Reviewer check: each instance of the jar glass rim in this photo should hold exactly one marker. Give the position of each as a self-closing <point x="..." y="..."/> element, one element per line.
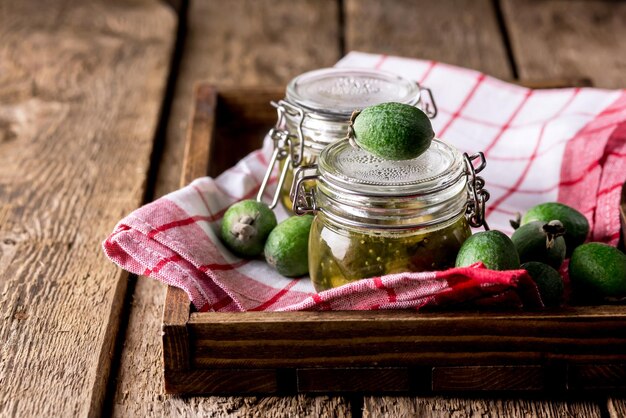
<point x="354" y="170"/>
<point x="333" y="93"/>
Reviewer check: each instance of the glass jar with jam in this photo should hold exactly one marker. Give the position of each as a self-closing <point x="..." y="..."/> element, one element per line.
<point x="316" y="111"/>
<point x="375" y="217"/>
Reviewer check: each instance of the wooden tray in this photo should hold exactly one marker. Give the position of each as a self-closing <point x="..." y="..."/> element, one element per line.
<point x="571" y="349"/>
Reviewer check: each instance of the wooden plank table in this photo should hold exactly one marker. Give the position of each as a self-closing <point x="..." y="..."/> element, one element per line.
<point x="89" y="130"/>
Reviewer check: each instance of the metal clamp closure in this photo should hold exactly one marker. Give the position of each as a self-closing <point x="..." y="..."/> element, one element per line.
<point x="478" y="196"/>
<point x="428" y="102"/>
<point x="283" y="148"/>
<point x="304" y="200"/>
<point x="279" y="133"/>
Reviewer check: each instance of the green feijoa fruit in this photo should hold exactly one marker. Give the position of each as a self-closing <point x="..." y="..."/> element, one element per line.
<point x="493" y="248"/>
<point x="548" y="281"/>
<point x="575" y="223"/>
<point x="597" y="271"/>
<point x="245" y="227"/>
<point x="287" y="247"/>
<point x="540" y="241"/>
<point x="393" y="131"/>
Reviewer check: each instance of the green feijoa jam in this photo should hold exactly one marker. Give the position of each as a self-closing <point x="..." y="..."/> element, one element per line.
<point x="575" y="223"/>
<point x="493" y="248"/>
<point x="245" y="227"/>
<point x="540" y="241"/>
<point x="340" y="255"/>
<point x="393" y="131"/>
<point x="548" y="281"/>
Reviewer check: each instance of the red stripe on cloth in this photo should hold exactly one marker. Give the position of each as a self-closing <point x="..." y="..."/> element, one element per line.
<point x="571" y="182"/>
<point x="391" y="294"/>
<point x="514" y="188"/>
<point x="204" y="201"/>
<point x="471" y="119"/>
<point x="380" y="62"/>
<point x="162" y="263"/>
<point x="262" y="158"/>
<point x="506" y="212"/>
<point x="610" y="189"/>
<point x="617" y="154"/>
<point x="182" y="222"/>
<point x="507" y="124"/>
<point x="324" y="306"/>
<point x="205" y="308"/>
<point x="275" y="298"/>
<point x="510" y="127"/>
<point x="611" y="237"/>
<point x="469" y="96"/>
<point x="590" y="149"/>
<point x="220" y="304"/>
<point x="606" y="216"/>
<point x="431" y="65"/>
<point x="586" y="171"/>
<point x="524" y="158"/>
<point x="222" y="267"/>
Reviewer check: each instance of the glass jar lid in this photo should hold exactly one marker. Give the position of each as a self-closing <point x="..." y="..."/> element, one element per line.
<point x="356" y="188"/>
<point x="357" y="171"/>
<point x="336" y="92"/>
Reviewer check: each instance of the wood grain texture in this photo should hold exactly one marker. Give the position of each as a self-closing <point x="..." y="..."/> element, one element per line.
<point x="488" y="378"/>
<point x="440" y="407"/>
<point x="369" y="380"/>
<point x="221" y="382"/>
<point x="569" y="38"/>
<point x="174" y="330"/>
<point x="199" y="142"/>
<point x="278" y="40"/>
<point x="81" y="86"/>
<point x="139" y="383"/>
<point x="597" y="377"/>
<point x="403" y="338"/>
<point x="246" y="43"/>
<point x="616" y="407"/>
<point x="460" y="32"/>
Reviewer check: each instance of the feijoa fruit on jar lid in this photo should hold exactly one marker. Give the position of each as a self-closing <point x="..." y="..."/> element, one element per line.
<point x="394" y="131"/>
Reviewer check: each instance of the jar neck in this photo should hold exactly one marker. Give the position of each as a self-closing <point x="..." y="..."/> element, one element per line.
<point x="321" y="127"/>
<point x="392" y="212"/>
<point x="318" y="132"/>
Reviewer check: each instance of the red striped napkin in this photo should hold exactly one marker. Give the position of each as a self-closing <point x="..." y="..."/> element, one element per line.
<point x="541" y="145"/>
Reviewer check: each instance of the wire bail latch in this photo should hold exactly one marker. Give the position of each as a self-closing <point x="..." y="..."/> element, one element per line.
<point x="304" y="200"/>
<point x="428" y="102"/>
<point x="284" y="147"/>
<point x="478" y="196"/>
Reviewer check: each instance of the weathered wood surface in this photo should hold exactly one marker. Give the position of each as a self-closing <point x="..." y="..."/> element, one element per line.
<point x="81" y="85"/>
<point x="460" y="32"/>
<point x="139" y="385"/>
<point x="395" y="339"/>
<point x="569" y="38"/>
<point x="617" y="407"/>
<point x="80" y="90"/>
<point x="440" y="407"/>
<point x="247" y="43"/>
